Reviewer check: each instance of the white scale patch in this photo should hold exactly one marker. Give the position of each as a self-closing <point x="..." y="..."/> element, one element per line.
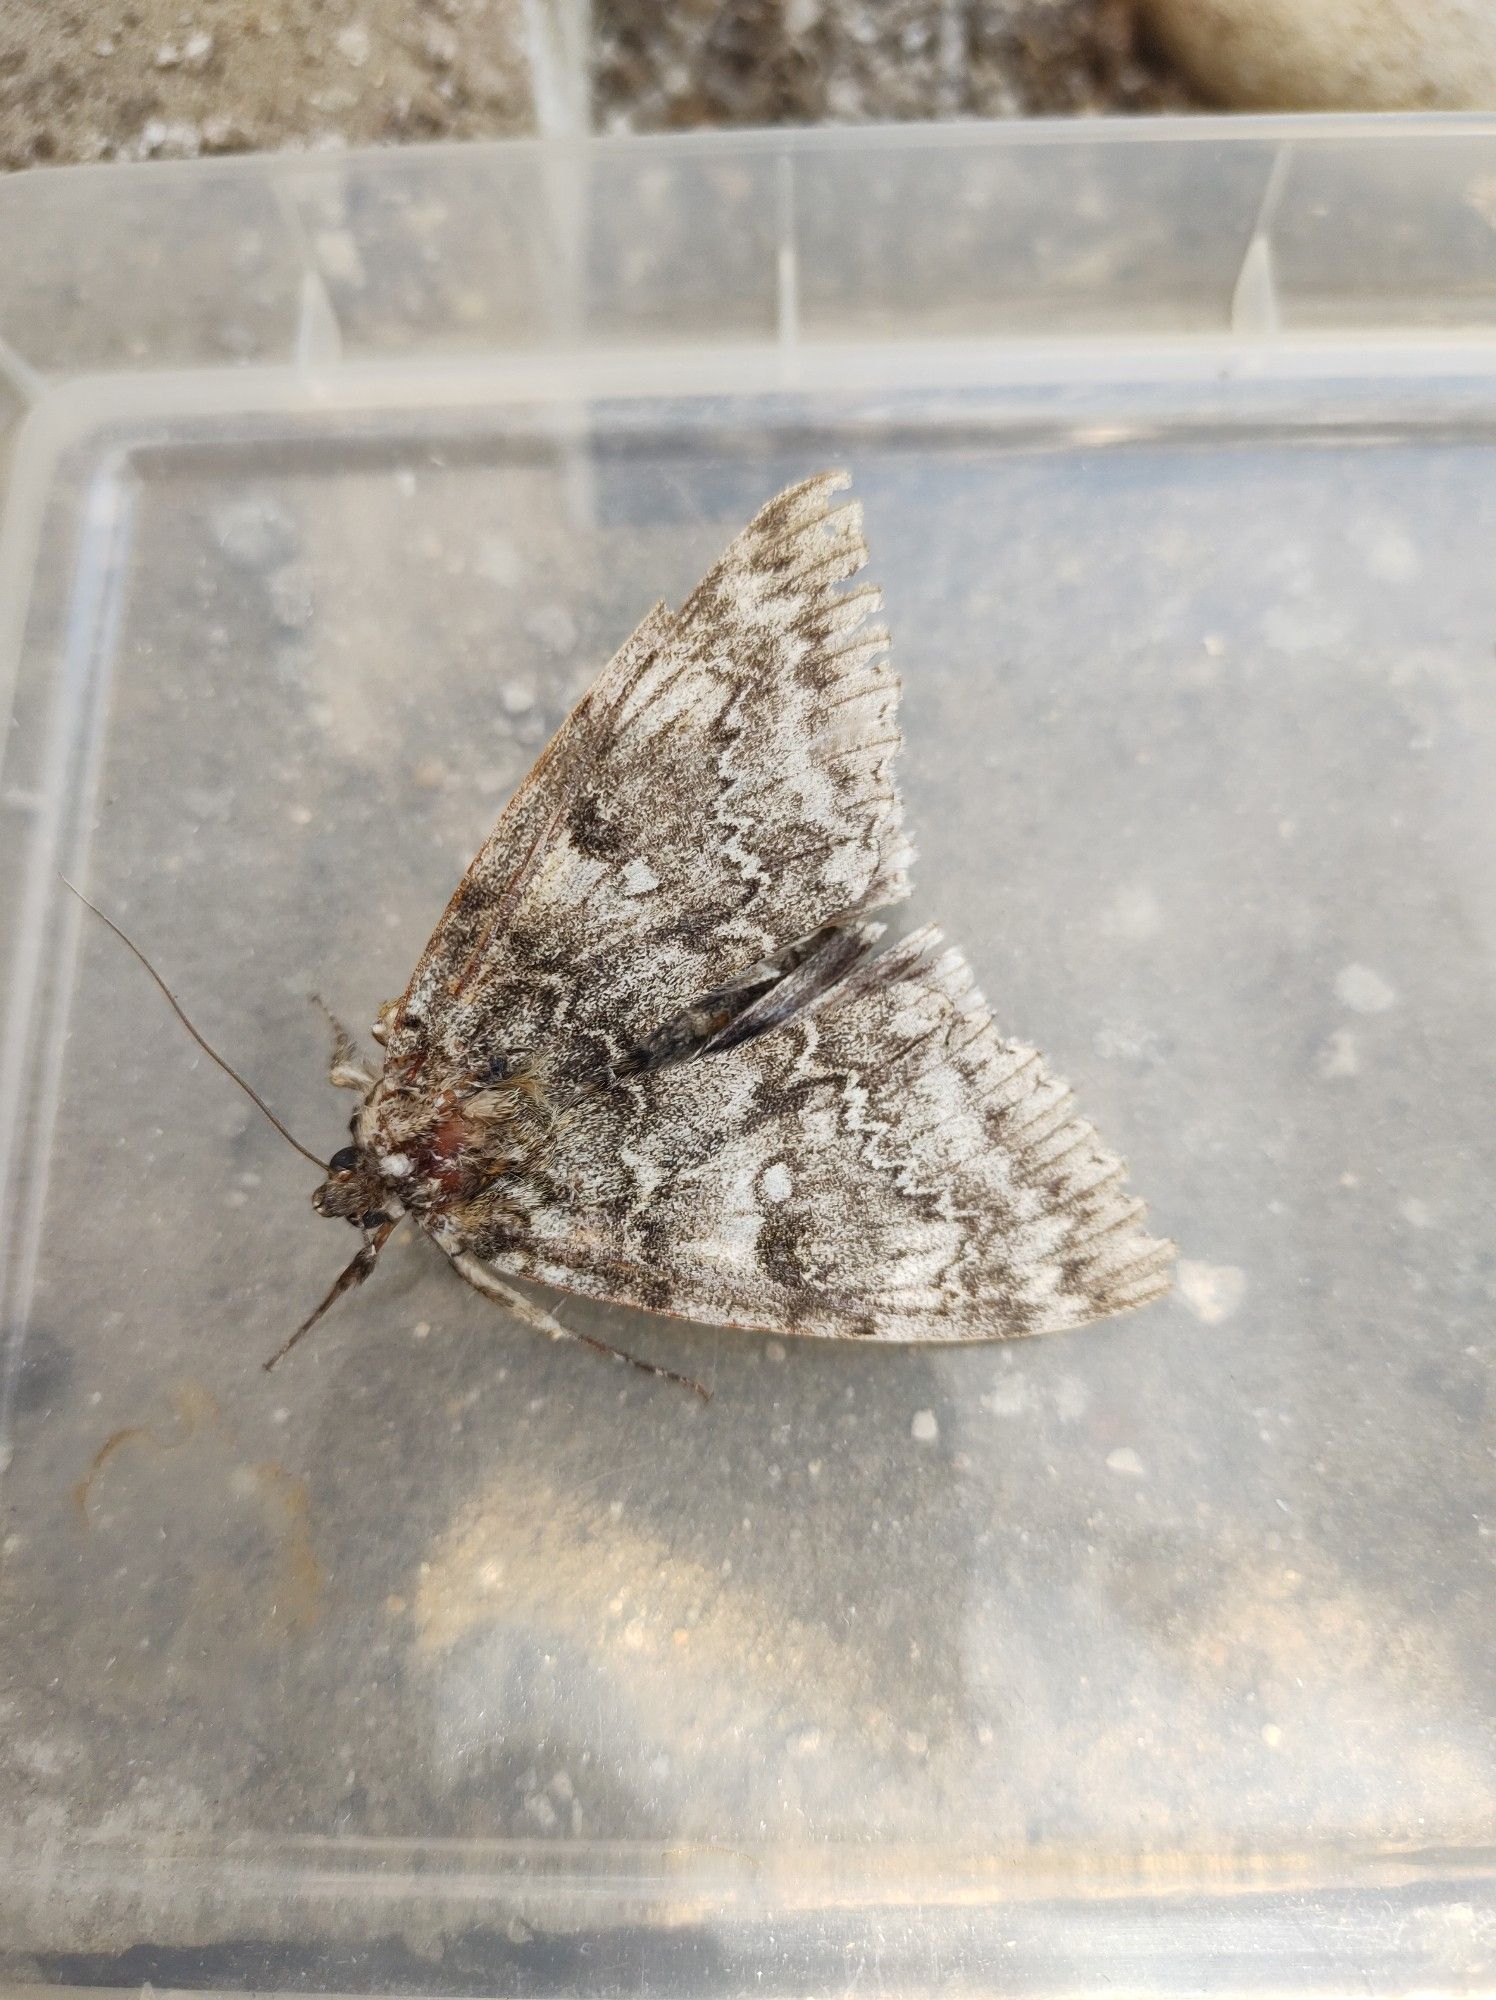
<point x="775" y="1182"/>
<point x="639" y="878"/>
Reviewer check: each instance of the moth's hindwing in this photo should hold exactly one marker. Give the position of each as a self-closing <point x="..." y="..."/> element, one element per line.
<point x="882" y="1165"/>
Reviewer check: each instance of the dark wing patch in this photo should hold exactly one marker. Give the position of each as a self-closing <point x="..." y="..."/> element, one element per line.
<point x="884" y="1164"/>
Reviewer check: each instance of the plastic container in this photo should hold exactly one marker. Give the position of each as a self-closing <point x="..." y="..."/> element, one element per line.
<point x="1154" y="1659"/>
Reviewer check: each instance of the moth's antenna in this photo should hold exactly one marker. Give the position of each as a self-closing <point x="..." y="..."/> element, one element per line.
<point x="171" y="1001"/>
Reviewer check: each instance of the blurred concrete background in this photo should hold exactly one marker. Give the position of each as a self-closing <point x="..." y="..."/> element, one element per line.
<point x="139" y="79"/>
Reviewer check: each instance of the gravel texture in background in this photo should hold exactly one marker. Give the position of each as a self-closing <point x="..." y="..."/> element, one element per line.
<point x="765" y="62"/>
<point x="144" y="79"/>
<point x="162" y="79"/>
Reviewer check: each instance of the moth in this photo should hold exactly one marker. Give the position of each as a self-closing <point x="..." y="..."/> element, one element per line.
<point x="652" y="1053"/>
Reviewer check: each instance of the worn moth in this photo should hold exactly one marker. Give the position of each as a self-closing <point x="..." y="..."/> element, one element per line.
<point x="651" y="1053"/>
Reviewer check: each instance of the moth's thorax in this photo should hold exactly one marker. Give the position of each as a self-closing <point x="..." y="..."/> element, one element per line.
<point x="437" y="1147"/>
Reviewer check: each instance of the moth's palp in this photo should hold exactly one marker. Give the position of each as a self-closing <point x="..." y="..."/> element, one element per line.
<point x="351" y="1275"/>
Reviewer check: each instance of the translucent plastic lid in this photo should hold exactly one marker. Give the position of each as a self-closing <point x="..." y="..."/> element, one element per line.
<point x="1152" y="1658"/>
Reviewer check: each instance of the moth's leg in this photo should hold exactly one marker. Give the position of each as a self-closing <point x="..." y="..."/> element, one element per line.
<point x="348" y="1069"/>
<point x="493" y="1287"/>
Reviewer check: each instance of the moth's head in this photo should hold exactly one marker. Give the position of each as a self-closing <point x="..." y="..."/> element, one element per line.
<point x="353" y="1189"/>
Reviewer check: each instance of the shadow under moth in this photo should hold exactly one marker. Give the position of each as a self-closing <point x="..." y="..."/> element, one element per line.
<point x="652" y="1054"/>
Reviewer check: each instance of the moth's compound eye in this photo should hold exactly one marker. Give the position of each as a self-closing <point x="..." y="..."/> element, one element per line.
<point x="344" y="1160"/>
<point x="375" y="1219"/>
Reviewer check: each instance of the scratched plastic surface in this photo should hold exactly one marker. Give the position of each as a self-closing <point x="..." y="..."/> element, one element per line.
<point x="1153" y="1658"/>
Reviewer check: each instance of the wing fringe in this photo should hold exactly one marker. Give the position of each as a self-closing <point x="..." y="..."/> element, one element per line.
<point x="1102" y="1258"/>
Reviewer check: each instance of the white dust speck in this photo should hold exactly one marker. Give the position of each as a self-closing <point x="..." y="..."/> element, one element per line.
<point x="639" y="878"/>
<point x="1126" y="1461"/>
<point x="1272" y="1735"/>
<point x="421" y="1330"/>
<point x="775" y="1182"/>
<point x="1339" y="1056"/>
<point x="1071" y="1399"/>
<point x="1392" y="555"/>
<point x="352" y="44"/>
<point x="1417" y="1213"/>
<point x="517" y="697"/>
<point x="1213" y="1292"/>
<point x="405" y="482"/>
<point x="1133" y="913"/>
<point x="554" y="627"/>
<point x="924" y="1429"/>
<point x="1214" y="645"/>
<point x="1363" y="991"/>
<point x="1008" y="1398"/>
